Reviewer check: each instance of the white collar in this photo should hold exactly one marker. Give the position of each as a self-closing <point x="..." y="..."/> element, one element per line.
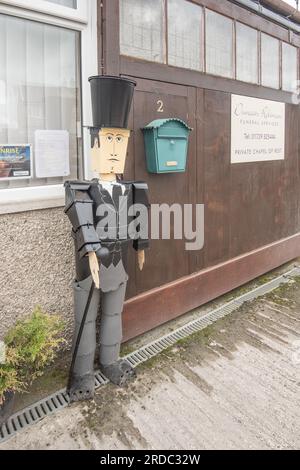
<point x="108" y="185"/>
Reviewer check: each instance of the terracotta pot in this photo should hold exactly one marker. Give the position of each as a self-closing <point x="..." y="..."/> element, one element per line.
<point x="6" y="408"/>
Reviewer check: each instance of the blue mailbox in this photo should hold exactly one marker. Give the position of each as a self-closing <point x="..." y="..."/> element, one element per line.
<point x="166" y="145"/>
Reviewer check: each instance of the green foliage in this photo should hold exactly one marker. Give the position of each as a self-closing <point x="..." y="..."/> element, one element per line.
<point x="9" y="380"/>
<point x="31" y="345"/>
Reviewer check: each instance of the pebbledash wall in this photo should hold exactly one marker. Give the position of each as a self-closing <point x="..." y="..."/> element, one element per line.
<point x="252" y="210"/>
<point x="36" y="265"/>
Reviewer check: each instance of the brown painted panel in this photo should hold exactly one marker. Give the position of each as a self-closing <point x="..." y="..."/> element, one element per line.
<point x="217" y="176"/>
<point x="166" y="260"/>
<point x="264" y="196"/>
<point x="110" y="52"/>
<point x="289" y="192"/>
<point x="247" y="206"/>
<point x="198" y="185"/>
<point x="252" y="206"/>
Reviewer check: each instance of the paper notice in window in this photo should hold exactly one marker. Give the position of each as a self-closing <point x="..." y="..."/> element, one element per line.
<point x="52" y="154"/>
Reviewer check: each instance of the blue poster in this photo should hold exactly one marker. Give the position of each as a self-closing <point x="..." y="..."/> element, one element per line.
<point x="15" y="161"/>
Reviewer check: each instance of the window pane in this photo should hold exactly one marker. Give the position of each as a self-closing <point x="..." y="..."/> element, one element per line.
<point x="184" y="34"/>
<point x="289" y="67"/>
<point x="66" y="3"/>
<point x="219" y="44"/>
<point x="270" y="61"/>
<point x="142" y="32"/>
<point x="39" y="87"/>
<point x="246" y="54"/>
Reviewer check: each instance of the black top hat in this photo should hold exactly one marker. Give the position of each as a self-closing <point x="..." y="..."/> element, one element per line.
<point x="111" y="100"/>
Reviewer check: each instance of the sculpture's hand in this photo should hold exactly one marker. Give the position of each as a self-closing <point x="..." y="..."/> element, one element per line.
<point x="94" y="267"/>
<point x="141" y="259"/>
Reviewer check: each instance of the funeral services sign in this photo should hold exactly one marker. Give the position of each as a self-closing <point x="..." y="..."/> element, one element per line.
<point x="257" y="130"/>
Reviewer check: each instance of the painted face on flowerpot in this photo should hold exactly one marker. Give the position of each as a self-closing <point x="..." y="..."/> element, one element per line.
<point x="110" y="157"/>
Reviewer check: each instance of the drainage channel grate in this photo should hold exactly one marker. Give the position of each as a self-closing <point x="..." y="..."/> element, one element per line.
<point x="60" y="400"/>
<point x="33" y="414"/>
<point x="40" y="410"/>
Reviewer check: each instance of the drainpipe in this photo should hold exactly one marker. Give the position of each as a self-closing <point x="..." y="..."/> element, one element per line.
<point x="271" y="15"/>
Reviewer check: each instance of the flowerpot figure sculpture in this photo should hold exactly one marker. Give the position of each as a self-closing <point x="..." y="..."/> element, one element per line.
<point x="107" y="216"/>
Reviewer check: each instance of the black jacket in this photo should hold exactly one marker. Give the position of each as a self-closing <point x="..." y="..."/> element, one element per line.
<point x="88" y="204"/>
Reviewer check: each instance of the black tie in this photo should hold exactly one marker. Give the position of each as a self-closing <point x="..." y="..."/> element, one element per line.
<point x="116" y="194"/>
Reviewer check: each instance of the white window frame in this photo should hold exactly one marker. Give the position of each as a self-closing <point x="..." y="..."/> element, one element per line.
<point x="43" y="197"/>
<point x="43" y="6"/>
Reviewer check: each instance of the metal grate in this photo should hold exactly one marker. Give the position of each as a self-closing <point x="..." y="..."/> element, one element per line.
<point x="60" y="400"/>
<point x="34" y="413"/>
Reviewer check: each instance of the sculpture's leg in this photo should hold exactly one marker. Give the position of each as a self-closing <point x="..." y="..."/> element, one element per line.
<point x="118" y="371"/>
<point x="82" y="379"/>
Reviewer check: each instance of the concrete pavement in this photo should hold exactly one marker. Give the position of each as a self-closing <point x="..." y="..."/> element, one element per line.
<point x="235" y="385"/>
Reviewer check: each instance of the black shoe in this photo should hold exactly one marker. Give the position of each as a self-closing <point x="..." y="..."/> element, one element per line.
<point x="82" y="388"/>
<point x="118" y="373"/>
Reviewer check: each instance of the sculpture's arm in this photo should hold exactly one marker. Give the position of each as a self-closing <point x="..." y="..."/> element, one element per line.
<point x="79" y="209"/>
<point x="141" y="243"/>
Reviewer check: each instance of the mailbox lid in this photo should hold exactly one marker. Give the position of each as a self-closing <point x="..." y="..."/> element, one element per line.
<point x="169" y="126"/>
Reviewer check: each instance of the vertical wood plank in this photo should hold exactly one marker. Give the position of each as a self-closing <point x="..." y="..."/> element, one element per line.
<point x="217" y="176"/>
<point x="111" y="37"/>
<point x="196" y="258"/>
<point x="167" y="260"/>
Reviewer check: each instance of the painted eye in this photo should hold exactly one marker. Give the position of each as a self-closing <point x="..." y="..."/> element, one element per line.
<point x="119" y="139"/>
<point x="109" y="138"/>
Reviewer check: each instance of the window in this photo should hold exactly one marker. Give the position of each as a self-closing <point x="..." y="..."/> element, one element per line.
<point x="270" y="61"/>
<point x="289" y="67"/>
<point x="219" y="45"/>
<point x="66" y="3"/>
<point x="43" y="86"/>
<point x="246" y="53"/>
<point x="77" y="10"/>
<point x="227" y="48"/>
<point x="185" y="34"/>
<point x="39" y="88"/>
<point x="142" y="29"/>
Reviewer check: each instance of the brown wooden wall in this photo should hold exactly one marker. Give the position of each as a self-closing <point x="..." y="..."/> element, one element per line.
<point x="252" y="210"/>
<point x="247" y="205"/>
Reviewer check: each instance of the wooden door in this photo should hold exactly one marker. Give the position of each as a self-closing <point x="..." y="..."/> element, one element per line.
<point x="167" y="260"/>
